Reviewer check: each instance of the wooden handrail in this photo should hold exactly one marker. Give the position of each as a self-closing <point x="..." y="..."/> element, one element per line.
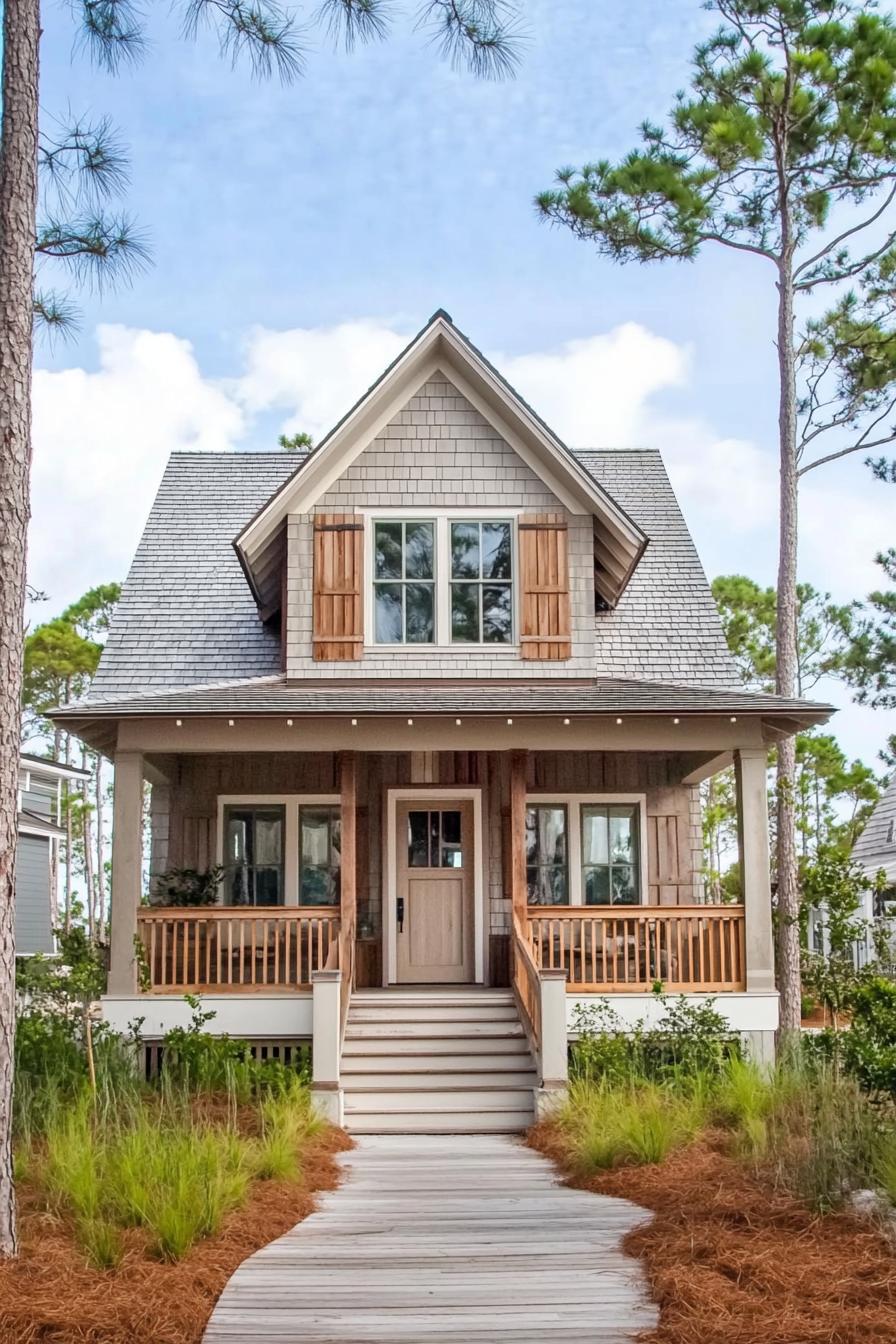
<point x="618" y="949"/>
<point x="235" y="949"/>
<point x="526" y="984"/>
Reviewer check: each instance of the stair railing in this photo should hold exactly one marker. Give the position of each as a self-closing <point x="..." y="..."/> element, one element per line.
<point x="540" y="994"/>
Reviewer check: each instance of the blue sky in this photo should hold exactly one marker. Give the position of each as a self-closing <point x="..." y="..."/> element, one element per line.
<point x="299" y="234"/>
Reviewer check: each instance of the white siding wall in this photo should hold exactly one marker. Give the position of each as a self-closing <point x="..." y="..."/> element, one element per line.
<point x="34" y="932"/>
<point x="438" y="452"/>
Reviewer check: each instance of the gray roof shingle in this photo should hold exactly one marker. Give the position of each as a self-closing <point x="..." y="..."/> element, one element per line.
<point x="876" y="846"/>
<point x="187" y="617"/>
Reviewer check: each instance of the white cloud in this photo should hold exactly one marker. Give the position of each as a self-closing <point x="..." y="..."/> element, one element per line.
<point x="101" y="440"/>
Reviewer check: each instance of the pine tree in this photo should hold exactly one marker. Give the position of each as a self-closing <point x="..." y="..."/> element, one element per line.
<point x="783" y="149"/>
<point x="480" y="34"/>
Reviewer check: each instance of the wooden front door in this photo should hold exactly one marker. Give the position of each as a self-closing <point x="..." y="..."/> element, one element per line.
<point x="434" y="900"/>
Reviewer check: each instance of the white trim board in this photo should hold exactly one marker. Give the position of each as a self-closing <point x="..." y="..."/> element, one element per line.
<point x="742" y="1011"/>
<point x="424" y="793"/>
<point x="242" y="1016"/>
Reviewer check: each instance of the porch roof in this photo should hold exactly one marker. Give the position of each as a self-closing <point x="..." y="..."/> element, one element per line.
<point x="603" y="695"/>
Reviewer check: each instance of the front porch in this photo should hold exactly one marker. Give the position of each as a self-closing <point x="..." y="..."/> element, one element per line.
<point x="441" y="862"/>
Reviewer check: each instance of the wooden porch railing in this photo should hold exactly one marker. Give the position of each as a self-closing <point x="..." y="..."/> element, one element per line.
<point x="526" y="982"/>
<point x="619" y="949"/>
<point x="235" y="948"/>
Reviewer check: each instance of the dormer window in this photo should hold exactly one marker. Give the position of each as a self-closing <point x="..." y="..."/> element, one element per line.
<point x="404" y="582"/>
<point x="443" y="580"/>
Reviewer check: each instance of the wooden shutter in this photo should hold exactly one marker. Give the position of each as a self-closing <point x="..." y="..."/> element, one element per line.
<point x="544" y="579"/>
<point x="338" y="634"/>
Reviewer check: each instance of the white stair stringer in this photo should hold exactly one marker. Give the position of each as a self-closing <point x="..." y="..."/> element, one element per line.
<point x="440" y="1061"/>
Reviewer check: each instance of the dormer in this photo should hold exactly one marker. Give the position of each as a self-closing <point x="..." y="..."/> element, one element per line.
<point x="440" y="527"/>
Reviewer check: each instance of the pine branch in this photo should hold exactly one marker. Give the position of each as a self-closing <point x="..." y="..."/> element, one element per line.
<point x="481" y="35"/>
<point x="85" y="162"/>
<point x="259" y="29"/>
<point x="112" y="31"/>
<point x="98" y="249"/>
<point x="55" y="315"/>
<point x="354" y="21"/>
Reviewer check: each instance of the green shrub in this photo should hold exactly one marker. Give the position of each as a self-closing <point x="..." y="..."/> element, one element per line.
<point x="869" y="1046"/>
<point x="610" y="1126"/>
<point x="197" y="1061"/>
<point x="688" y="1040"/>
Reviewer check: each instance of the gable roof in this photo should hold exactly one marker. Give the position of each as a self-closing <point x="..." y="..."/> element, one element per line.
<point x="440" y="348"/>
<point x="876" y="846"/>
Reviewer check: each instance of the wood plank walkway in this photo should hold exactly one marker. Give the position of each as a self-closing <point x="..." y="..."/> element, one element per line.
<point x="438" y="1240"/>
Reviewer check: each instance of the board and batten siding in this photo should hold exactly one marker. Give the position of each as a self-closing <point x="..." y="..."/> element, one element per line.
<point x="438" y="453"/>
<point x="34" y="923"/>
<point x="184" y="814"/>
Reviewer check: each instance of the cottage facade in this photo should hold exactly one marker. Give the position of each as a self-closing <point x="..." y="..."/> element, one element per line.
<point x="436" y="698"/>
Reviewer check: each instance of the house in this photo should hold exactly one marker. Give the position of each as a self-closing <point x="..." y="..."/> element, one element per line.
<point x="875" y="852"/>
<point x="437" y="697"/>
<point x="39" y="831"/>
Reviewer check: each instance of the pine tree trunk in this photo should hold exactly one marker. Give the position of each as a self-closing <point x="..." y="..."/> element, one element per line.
<point x="786" y="660"/>
<point x="18" y="206"/>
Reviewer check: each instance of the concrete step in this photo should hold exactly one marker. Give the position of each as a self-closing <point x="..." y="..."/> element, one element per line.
<point x="483" y="1122"/>
<point x="429" y="1079"/>
<point x="441" y="1101"/>
<point x="431" y="1030"/>
<point x="432" y="1012"/>
<point x="437" y="1062"/>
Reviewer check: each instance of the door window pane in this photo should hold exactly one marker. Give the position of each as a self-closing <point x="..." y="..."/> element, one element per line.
<point x="547" y="870"/>
<point x="320" y="857"/>
<point x="253" y="855"/>
<point x="610" y="855"/>
<point x="481" y="588"/>
<point x="451" y="854"/>
<point x="435" y="839"/>
<point x="418" y="839"/>
<point x="404" y="582"/>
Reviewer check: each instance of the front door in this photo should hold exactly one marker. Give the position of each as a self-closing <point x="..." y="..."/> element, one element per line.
<point x="434" y="900"/>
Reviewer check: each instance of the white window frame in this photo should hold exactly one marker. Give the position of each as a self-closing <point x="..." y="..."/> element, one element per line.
<point x="443" y="518"/>
<point x="292" y="802"/>
<point x="574" y="802"/>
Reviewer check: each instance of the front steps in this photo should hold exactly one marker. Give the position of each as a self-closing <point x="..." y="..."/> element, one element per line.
<point x="436" y="1061"/>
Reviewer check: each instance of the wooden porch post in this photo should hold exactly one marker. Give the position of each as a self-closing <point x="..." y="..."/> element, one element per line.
<point x="348" y="793"/>
<point x="127" y="867"/>
<point x="518" y="760"/>
<point x="750" y="765"/>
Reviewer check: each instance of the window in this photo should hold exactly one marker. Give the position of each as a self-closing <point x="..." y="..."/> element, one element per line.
<point x="404" y="582"/>
<point x="610" y="854"/>
<point x="582" y="850"/>
<point x="442" y="581"/>
<point x="481" y="587"/>
<point x="319" y="855"/>
<point x="253" y="855"/>
<point x="435" y="839"/>
<point x="547" y="865"/>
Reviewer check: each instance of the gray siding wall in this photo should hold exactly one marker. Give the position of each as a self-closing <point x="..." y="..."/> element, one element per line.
<point x="34" y="932"/>
<point x="438" y="452"/>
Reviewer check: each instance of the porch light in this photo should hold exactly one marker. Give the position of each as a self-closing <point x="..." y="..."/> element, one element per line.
<point x="676" y="720"/>
<point x="566" y="723"/>
<point x="618" y="720"/>
<point x="354" y="723"/>
<point x="178" y="723"/>
<point x="734" y="718"/>
<point x="410" y="723"/>
<point x="458" y="722"/>
<point x="230" y="723"/>
<point x="510" y="721"/>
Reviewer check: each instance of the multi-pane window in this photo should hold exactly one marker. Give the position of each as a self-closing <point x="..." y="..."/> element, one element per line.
<point x="435" y="838"/>
<point x="319" y="855"/>
<point x="404" y="582"/>
<point x="547" y="854"/>
<point x="610" y="854"/>
<point x="481" y="582"/>
<point x="253" y="855"/>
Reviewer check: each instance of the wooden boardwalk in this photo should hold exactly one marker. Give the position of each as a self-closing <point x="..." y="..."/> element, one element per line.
<point x="438" y="1240"/>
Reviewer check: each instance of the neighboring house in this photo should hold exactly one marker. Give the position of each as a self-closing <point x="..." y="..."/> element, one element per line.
<point x="39" y="829"/>
<point x="875" y="851"/>
<point x="438" y="697"/>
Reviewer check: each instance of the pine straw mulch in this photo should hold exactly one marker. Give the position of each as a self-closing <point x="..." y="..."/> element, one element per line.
<point x="730" y="1261"/>
<point x="50" y="1296"/>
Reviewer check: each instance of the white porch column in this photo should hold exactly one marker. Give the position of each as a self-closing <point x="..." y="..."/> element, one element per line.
<point x="326" y="1044"/>
<point x="750" y="765"/>
<point x="127" y="870"/>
